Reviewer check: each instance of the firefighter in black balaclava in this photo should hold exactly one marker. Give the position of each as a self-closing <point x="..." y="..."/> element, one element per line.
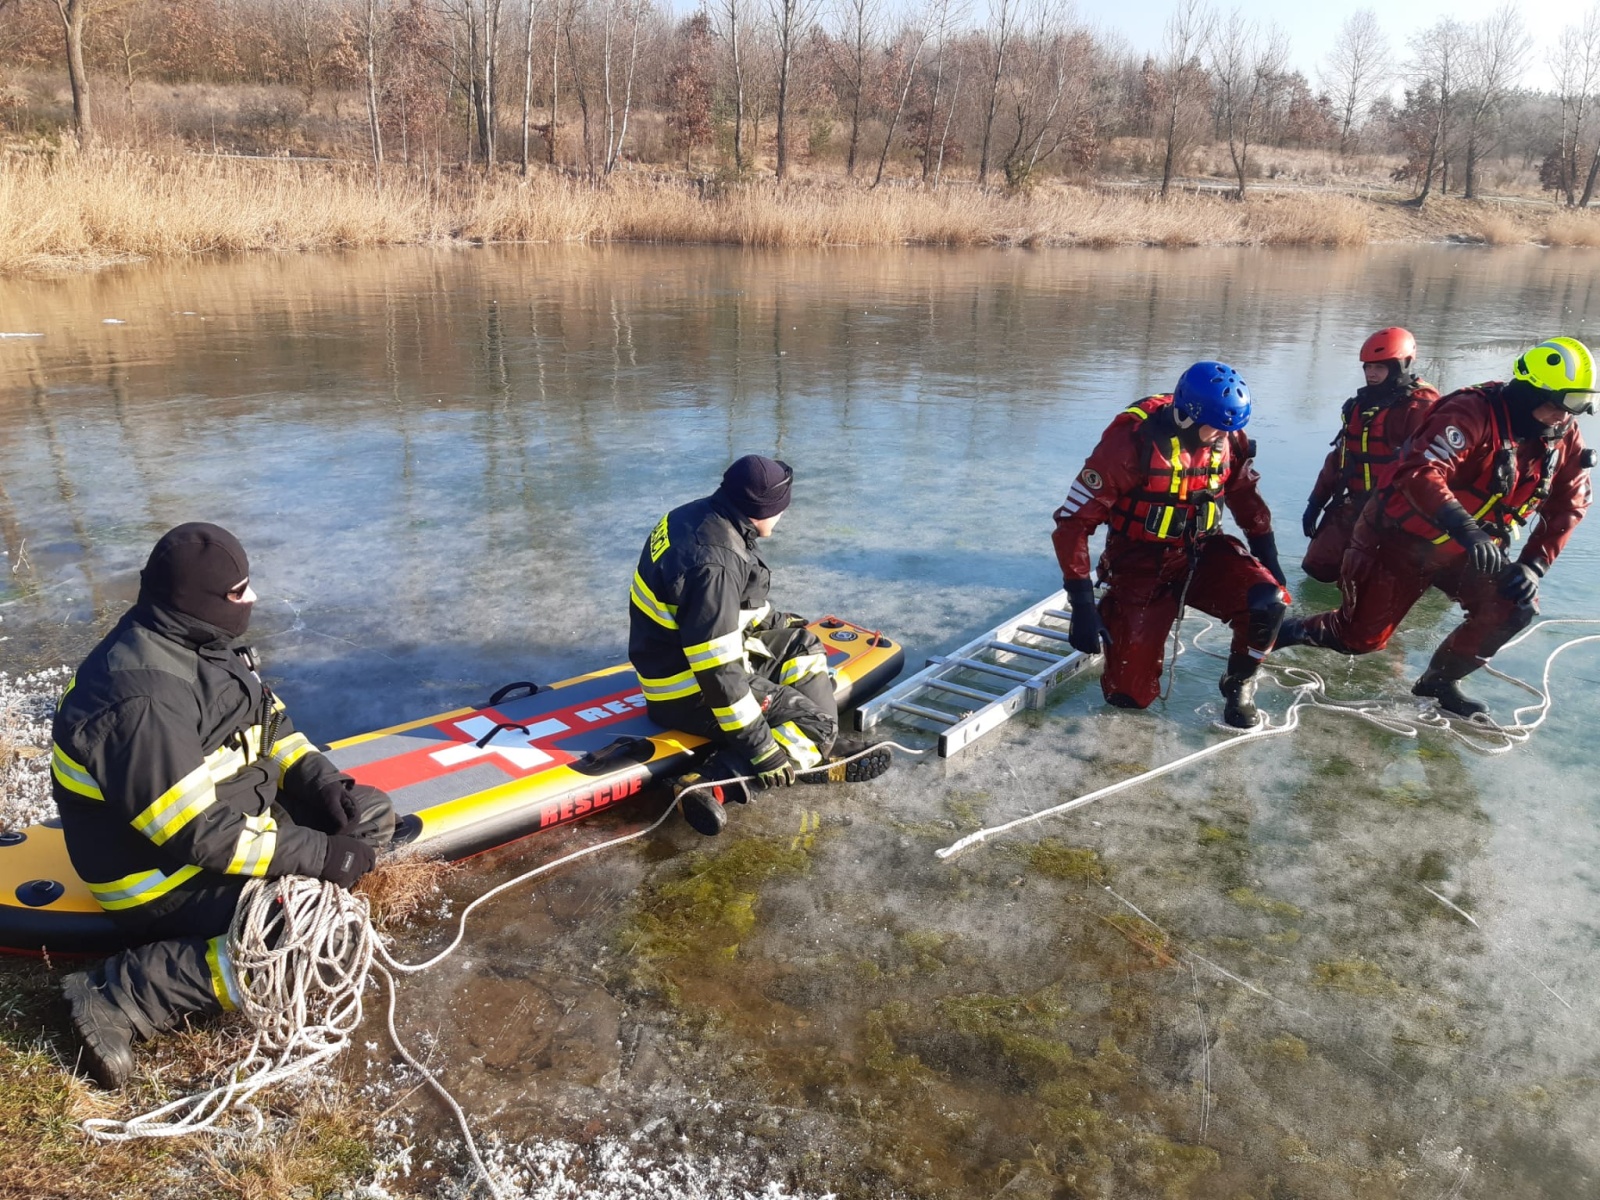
<point x="179" y="776"/>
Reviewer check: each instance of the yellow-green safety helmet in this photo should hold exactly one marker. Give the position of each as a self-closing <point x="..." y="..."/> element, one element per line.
<point x="1563" y="366"/>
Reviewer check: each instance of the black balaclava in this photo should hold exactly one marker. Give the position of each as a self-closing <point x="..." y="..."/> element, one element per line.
<point x="1521" y="399"/>
<point x="757" y="487"/>
<point x="192" y="569"/>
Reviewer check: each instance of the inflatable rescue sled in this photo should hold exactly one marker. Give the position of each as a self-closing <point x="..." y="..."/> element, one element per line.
<point x="534" y="757"/>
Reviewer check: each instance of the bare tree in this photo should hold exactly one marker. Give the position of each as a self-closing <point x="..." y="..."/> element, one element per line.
<point x="942" y="14"/>
<point x="527" y="88"/>
<point x="1497" y="50"/>
<point x="1436" y="65"/>
<point x="1246" y="69"/>
<point x="1002" y="26"/>
<point x="1356" y="71"/>
<point x="375" y="130"/>
<point x="919" y="36"/>
<point x="622" y="20"/>
<point x="1577" y="73"/>
<point x="853" y="48"/>
<point x="1182" y="79"/>
<point x="74" y="20"/>
<point x="728" y="20"/>
<point x="791" y="21"/>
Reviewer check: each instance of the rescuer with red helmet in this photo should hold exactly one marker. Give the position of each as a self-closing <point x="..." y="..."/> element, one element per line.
<point x="1488" y="458"/>
<point x="1159" y="478"/>
<point x="1377" y="425"/>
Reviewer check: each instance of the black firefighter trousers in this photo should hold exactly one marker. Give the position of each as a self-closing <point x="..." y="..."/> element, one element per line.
<point x="789" y="679"/>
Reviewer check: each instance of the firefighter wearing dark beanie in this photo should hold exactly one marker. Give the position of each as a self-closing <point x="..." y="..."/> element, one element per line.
<point x="179" y="776"/>
<point x="715" y="659"/>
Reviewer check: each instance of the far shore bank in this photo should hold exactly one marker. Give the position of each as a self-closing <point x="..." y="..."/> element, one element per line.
<point x="74" y="213"/>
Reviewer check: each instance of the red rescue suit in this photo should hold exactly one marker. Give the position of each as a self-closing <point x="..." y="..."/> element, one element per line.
<point x="1466" y="451"/>
<point x="1162" y="499"/>
<point x="1379" y="427"/>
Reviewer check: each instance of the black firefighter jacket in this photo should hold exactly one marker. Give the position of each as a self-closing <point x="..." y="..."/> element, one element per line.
<point x="700" y="587"/>
<point x="168" y="756"/>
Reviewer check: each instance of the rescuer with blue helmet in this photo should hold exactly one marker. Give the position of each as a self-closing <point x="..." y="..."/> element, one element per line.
<point x="1159" y="478"/>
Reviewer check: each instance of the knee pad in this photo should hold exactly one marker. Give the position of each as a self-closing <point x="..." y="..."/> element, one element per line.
<point x="1267" y="611"/>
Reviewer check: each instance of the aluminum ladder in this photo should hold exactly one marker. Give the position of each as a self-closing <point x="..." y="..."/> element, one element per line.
<point x="976" y="689"/>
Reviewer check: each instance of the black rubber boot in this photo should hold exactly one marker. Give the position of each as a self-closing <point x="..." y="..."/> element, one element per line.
<point x="1298" y="631"/>
<point x="702" y="807"/>
<point x="105" y="1034"/>
<point x="1441" y="680"/>
<point x="1238" y="688"/>
<point x="873" y="763"/>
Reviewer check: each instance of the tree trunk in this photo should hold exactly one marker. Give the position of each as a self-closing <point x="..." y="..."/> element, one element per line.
<point x="491" y="64"/>
<point x="74" y="13"/>
<point x="911" y="75"/>
<point x="738" y="89"/>
<point x="555" y="88"/>
<point x="988" y="120"/>
<point x="373" y="127"/>
<point x="527" y="89"/>
<point x="627" y="91"/>
<point x="944" y="138"/>
<point x="1588" y="186"/>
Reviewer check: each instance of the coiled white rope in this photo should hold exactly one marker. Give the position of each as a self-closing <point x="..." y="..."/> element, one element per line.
<point x="302" y="951"/>
<point x="1309" y="691"/>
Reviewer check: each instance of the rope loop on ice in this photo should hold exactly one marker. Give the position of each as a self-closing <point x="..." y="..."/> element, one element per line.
<point x="1310" y="692"/>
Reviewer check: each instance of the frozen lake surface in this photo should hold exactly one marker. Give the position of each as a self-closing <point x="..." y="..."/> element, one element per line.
<point x="1232" y="982"/>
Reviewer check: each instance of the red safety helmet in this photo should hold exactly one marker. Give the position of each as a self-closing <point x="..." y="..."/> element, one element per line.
<point x="1391" y="343"/>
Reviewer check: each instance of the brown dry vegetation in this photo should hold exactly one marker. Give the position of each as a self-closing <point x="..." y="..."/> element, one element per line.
<point x="71" y="212"/>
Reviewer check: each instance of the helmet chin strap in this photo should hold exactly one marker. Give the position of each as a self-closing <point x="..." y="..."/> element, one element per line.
<point x="1181" y="421"/>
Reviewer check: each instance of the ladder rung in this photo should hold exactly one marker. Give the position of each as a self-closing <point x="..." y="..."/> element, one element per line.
<point x="1029" y="651"/>
<point x="933" y="714"/>
<point x="977" y="664"/>
<point x="1059" y="635"/>
<point x="1057" y="613"/>
<point x="958" y="689"/>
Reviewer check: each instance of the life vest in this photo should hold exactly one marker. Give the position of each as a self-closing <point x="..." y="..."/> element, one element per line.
<point x="1181" y="491"/>
<point x="1503" y="496"/>
<point x="1367" y="453"/>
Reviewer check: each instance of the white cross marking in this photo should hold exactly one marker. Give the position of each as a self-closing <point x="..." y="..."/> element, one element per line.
<point x="509" y="743"/>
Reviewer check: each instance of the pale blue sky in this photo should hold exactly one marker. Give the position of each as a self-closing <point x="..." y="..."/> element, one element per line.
<point x="1312" y="27"/>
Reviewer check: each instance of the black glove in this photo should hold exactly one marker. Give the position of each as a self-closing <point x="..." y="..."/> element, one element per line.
<point x="788" y="620"/>
<point x="1483" y="552"/>
<point x="1264" y="548"/>
<point x="1519" y="582"/>
<point x="347" y="860"/>
<point x="1089" y="632"/>
<point x="1309" y="519"/>
<point x="333" y="808"/>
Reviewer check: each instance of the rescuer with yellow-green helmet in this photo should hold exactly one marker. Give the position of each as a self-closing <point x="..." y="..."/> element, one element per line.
<point x="1489" y="458"/>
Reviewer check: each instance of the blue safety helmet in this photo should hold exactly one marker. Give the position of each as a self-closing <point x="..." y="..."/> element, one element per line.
<point x="1211" y="393"/>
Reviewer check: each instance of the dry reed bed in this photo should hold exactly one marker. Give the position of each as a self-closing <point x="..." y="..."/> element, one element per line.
<point x="92" y="210"/>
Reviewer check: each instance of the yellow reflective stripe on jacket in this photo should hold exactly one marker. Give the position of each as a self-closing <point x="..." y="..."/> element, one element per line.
<point x="801" y="748"/>
<point x="664" y="615"/>
<point x="744" y="712"/>
<point x="1177" y="487"/>
<point x="803" y="666"/>
<point x="290" y="751"/>
<point x="1136" y="411"/>
<point x="673" y="687"/>
<point x="1366" y="466"/>
<point x="1477" y="516"/>
<point x="257" y="841"/>
<point x="178" y="805"/>
<point x="703" y="656"/>
<point x="224" y="982"/>
<point x="72" y="776"/>
<point x="139" y="888"/>
<point x="753" y="616"/>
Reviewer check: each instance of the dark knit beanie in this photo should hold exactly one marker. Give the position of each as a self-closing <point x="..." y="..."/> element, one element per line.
<point x="758" y="487"/>
<point x="192" y="569"/>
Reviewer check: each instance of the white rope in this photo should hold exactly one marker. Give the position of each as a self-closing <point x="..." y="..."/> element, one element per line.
<point x="302" y="950"/>
<point x="1309" y="690"/>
